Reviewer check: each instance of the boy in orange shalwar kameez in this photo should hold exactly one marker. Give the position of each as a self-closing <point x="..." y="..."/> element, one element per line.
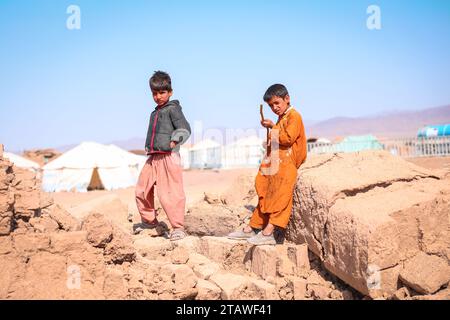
<point x="276" y="177"/>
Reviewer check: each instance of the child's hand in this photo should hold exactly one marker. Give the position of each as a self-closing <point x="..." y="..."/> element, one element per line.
<point x="173" y="144"/>
<point x="267" y="123"/>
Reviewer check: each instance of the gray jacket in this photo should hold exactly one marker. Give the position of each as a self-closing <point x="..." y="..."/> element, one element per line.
<point x="167" y="123"/>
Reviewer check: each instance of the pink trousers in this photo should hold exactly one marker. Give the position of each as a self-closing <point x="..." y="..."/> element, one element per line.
<point x="164" y="172"/>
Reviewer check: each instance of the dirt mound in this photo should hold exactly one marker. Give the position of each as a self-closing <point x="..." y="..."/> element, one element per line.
<point x="366" y="215"/>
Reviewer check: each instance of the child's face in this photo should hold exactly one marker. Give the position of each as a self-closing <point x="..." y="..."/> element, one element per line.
<point x="279" y="105"/>
<point x="161" y="97"/>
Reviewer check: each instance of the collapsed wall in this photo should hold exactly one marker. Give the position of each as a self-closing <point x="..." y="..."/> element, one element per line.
<point x="376" y="221"/>
<point x="48" y="253"/>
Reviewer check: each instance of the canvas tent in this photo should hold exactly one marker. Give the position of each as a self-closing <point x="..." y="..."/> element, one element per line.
<point x="245" y="152"/>
<point x="184" y="155"/>
<point x="206" y="154"/>
<point x="91" y="166"/>
<point x="22" y="162"/>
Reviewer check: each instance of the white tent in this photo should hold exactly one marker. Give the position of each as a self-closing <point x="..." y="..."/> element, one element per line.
<point x="90" y="166"/>
<point x="184" y="155"/>
<point x="206" y="154"/>
<point x="245" y="152"/>
<point x="22" y="162"/>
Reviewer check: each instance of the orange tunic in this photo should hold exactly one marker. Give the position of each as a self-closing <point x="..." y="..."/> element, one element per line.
<point x="277" y="176"/>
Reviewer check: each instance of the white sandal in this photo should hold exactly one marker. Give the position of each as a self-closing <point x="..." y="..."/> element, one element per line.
<point x="177" y="234"/>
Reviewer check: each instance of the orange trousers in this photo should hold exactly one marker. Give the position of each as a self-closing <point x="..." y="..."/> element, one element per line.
<point x="165" y="172"/>
<point x="275" y="195"/>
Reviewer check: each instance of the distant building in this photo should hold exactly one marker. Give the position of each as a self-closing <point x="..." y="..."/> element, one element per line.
<point x="243" y="153"/>
<point x="434" y="131"/>
<point x="206" y="154"/>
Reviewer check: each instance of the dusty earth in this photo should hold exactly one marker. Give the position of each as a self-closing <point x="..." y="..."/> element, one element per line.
<point x="81" y="246"/>
<point x="440" y="163"/>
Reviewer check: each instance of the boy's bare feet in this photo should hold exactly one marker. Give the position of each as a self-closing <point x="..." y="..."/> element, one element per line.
<point x="268" y="230"/>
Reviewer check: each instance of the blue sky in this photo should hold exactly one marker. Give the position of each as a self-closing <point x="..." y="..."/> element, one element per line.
<point x="60" y="86"/>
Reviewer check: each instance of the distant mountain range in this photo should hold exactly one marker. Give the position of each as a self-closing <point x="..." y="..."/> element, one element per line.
<point x="391" y="125"/>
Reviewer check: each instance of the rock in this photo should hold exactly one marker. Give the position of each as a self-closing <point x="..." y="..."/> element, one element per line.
<point x="44" y="224"/>
<point x="319" y="292"/>
<point x="41" y="260"/>
<point x="337" y="212"/>
<point x="207" y="290"/>
<point x="315" y="278"/>
<point x="232" y="255"/>
<point x="205" y="271"/>
<point x="443" y="294"/>
<point x="115" y="285"/>
<point x="6" y="207"/>
<point x="62" y="242"/>
<point x="190" y="243"/>
<point x="401" y="294"/>
<point x="22" y="227"/>
<point x="299" y="286"/>
<point x="211" y="198"/>
<point x="284" y="287"/>
<point x="45" y="200"/>
<point x="63" y="218"/>
<point x="6" y="223"/>
<point x="210" y="220"/>
<point x="26" y="244"/>
<point x="179" y="255"/>
<point x="425" y="273"/>
<point x="262" y="290"/>
<point x="336" y="295"/>
<point x="154" y="248"/>
<point x="347" y="295"/>
<point x="99" y="230"/>
<point x="6" y="245"/>
<point x="232" y="285"/>
<point x="280" y="260"/>
<point x="12" y="270"/>
<point x="85" y="273"/>
<point x="38" y="283"/>
<point x="237" y="287"/>
<point x="264" y="261"/>
<point x="27" y="196"/>
<point x="177" y="282"/>
<point x="196" y="259"/>
<point x="120" y="249"/>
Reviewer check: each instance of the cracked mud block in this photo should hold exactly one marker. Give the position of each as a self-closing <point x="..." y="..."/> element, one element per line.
<point x="365" y="214"/>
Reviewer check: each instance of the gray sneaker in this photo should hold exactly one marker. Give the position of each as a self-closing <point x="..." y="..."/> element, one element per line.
<point x="241" y="235"/>
<point x="260" y="239"/>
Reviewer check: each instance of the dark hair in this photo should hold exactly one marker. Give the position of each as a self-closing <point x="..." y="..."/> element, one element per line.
<point x="276" y="90"/>
<point x="160" y="80"/>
